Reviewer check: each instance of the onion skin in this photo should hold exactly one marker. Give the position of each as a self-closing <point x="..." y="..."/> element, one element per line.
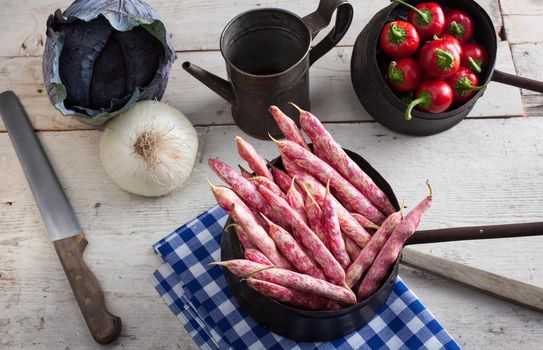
<point x="170" y="154"/>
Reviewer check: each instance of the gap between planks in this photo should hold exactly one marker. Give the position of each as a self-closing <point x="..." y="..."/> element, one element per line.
<point x="532" y="114"/>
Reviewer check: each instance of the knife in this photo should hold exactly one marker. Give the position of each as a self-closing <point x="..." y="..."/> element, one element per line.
<point x="59" y="218"/>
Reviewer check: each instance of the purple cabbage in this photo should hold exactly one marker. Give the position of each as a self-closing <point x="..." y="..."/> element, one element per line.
<point x="102" y="56"/>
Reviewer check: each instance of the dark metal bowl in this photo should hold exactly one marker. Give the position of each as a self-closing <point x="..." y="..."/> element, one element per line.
<point x="303" y="325"/>
<point x="382" y="103"/>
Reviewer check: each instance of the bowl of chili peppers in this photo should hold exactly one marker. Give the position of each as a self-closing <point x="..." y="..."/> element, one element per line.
<point x="419" y="67"/>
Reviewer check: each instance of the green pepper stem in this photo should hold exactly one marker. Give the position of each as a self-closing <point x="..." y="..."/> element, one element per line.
<point x="395" y="74"/>
<point x="423" y="15"/>
<point x="468" y="86"/>
<point x="445" y="60"/>
<point x="474" y="65"/>
<point x="396" y="35"/>
<point x="456" y="29"/>
<point x="464" y="86"/>
<point x="416" y="102"/>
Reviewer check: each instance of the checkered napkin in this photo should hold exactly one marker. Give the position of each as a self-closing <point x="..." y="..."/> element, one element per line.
<point x="198" y="295"/>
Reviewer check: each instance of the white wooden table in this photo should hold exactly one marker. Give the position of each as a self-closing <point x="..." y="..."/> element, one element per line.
<point x="486" y="170"/>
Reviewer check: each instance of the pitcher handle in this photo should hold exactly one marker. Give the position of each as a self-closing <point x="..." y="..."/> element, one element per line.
<point x="321" y="18"/>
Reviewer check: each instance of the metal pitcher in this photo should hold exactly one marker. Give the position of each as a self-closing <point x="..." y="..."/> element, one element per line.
<point x="268" y="54"/>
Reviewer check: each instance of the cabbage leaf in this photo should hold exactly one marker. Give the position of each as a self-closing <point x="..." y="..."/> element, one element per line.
<point x="102" y="56"/>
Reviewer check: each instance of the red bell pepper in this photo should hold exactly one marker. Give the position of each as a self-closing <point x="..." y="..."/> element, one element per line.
<point x="404" y="75"/>
<point x="474" y="57"/>
<point x="464" y="84"/>
<point x="427" y="17"/>
<point x="440" y="58"/>
<point x="455" y="42"/>
<point x="399" y="39"/>
<point x="433" y="96"/>
<point x="460" y="25"/>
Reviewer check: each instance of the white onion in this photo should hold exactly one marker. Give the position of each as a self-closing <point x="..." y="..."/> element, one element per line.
<point x="150" y="149"/>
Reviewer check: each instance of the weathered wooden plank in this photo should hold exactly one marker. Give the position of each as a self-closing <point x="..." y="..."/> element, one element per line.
<point x="499" y="183"/>
<point x="23" y="75"/>
<point x="521" y="7"/>
<point x="508" y="289"/>
<point x="203" y="107"/>
<point x="528" y="62"/>
<point x="194" y="25"/>
<point x="533" y="105"/>
<point x="478" y="320"/>
<point x="523" y="29"/>
<point x="499" y="99"/>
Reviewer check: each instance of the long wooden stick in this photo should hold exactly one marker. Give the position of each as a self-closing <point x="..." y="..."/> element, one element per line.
<point x="477" y="232"/>
<point x="508" y="289"/>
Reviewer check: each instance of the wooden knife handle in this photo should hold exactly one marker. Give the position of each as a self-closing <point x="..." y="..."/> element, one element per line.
<point x="103" y="326"/>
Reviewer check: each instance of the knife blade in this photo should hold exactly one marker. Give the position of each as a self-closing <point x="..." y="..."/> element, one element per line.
<point x="60" y="220"/>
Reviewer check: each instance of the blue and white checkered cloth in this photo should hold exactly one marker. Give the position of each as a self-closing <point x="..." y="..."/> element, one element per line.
<point x="198" y="295"/>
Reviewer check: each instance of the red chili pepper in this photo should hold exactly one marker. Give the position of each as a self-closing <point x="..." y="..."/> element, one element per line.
<point x="440" y="58"/>
<point x="474" y="57"/>
<point x="404" y="75"/>
<point x="460" y="25"/>
<point x="464" y="84"/>
<point x="455" y="42"/>
<point x="433" y="96"/>
<point x="427" y="17"/>
<point x="399" y="39"/>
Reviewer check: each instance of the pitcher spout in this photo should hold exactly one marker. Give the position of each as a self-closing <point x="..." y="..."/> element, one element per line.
<point x="221" y="87"/>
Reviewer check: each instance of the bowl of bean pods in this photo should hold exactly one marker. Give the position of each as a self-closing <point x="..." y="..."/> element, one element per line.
<point x="314" y="239"/>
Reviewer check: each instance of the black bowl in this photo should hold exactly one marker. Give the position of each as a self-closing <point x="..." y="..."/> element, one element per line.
<point x="303" y="325"/>
<point x="382" y="103"/>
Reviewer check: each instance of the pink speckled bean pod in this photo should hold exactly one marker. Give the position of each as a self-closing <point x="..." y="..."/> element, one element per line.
<point x="270" y="185"/>
<point x="243" y="238"/>
<point x="293" y="251"/>
<point x="351" y="247"/>
<point x="288" y="296"/>
<point x="244" y="172"/>
<point x="340" y="161"/>
<point x="296" y="201"/>
<point x="241" y="214"/>
<point x="364" y="222"/>
<point x="314" y="215"/>
<point x="256" y="256"/>
<point x="290" y="279"/>
<point x="344" y="191"/>
<point x="282" y="179"/>
<point x="251" y="156"/>
<point x="288" y="127"/>
<point x="349" y="226"/>
<point x="370" y="251"/>
<point x="331" y="268"/>
<point x="246" y="190"/>
<point x="330" y="225"/>
<point x="391" y="249"/>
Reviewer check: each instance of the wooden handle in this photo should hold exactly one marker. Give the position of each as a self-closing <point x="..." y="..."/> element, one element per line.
<point x="477" y="232"/>
<point x="103" y="326"/>
<point x="501" y="287"/>
<point x="515" y="80"/>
